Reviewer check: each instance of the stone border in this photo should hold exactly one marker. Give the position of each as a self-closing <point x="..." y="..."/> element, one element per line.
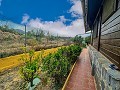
<point x="105" y="77"/>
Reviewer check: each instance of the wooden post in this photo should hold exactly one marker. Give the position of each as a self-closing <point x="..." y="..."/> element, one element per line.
<point x="25" y="36"/>
<point x="100" y="22"/>
<point x="99" y="32"/>
<point x="57" y="39"/>
<point x="92" y="36"/>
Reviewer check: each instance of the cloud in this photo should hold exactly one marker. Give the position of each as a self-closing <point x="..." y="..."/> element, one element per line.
<point x="76" y="9"/>
<point x="58" y="26"/>
<point x="25" y="18"/>
<point x="0" y="2"/>
<point x="63" y="19"/>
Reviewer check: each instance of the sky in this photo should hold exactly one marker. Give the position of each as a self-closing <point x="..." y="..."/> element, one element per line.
<point x="62" y="17"/>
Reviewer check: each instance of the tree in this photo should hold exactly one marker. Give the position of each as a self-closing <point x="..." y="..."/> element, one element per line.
<point x="39" y="35"/>
<point x="87" y="40"/>
<point x="52" y="37"/>
<point x="78" y="40"/>
<point x="29" y="34"/>
<point x="48" y="36"/>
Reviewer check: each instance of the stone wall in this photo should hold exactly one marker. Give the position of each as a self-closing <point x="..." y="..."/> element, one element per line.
<point x="105" y="77"/>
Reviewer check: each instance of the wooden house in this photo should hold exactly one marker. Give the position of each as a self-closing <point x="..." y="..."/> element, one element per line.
<point x="102" y="17"/>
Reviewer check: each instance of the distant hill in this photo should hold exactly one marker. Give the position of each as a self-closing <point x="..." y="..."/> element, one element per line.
<point x="19" y="31"/>
<point x="6" y="36"/>
<point x="11" y="30"/>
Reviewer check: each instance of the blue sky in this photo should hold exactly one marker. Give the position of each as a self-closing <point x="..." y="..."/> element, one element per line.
<point x="63" y="17"/>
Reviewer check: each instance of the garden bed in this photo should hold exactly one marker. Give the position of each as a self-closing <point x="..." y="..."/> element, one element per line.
<point x="11" y="80"/>
<point x="52" y="70"/>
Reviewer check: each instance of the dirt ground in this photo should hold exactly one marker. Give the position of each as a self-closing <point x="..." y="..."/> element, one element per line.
<point x="11" y="80"/>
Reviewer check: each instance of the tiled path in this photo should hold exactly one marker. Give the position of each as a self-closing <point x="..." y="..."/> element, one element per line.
<point x="81" y="78"/>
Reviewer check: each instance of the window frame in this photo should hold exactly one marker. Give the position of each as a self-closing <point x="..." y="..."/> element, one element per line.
<point x="114" y="10"/>
<point x="117" y="4"/>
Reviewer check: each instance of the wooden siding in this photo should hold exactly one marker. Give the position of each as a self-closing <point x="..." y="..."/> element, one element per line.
<point x="110" y="38"/>
<point x="95" y="35"/>
<point x="95" y="43"/>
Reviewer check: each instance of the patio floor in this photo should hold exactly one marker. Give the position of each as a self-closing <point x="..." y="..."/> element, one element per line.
<point x="81" y="78"/>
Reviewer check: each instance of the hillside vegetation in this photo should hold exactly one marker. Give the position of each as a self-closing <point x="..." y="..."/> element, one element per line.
<point x="12" y="42"/>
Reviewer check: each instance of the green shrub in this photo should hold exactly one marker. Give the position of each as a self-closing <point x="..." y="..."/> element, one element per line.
<point x="3" y="54"/>
<point x="88" y="39"/>
<point x="73" y="52"/>
<point x="78" y="40"/>
<point x="57" y="65"/>
<point x="30" y="68"/>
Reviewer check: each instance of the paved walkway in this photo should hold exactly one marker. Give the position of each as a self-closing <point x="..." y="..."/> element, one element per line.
<point x="81" y="78"/>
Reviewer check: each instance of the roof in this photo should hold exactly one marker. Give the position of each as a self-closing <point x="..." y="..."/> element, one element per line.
<point x="90" y="10"/>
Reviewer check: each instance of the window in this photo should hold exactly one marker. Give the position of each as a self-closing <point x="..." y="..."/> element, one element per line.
<point x="95" y="30"/>
<point x="118" y="4"/>
<point x="97" y="27"/>
<point x="109" y="7"/>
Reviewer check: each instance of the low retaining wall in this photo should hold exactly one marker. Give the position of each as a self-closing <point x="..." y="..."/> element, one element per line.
<point x="105" y="77"/>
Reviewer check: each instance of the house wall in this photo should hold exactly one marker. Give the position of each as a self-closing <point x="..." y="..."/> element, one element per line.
<point x="95" y="35"/>
<point x="109" y="43"/>
<point x="110" y="38"/>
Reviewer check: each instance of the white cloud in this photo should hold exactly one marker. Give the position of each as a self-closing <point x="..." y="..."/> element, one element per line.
<point x="25" y="18"/>
<point x="59" y="27"/>
<point x="76" y="9"/>
<point x="63" y="19"/>
<point x="0" y="2"/>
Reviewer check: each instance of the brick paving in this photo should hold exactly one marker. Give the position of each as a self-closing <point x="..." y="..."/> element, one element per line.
<point x="81" y="78"/>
